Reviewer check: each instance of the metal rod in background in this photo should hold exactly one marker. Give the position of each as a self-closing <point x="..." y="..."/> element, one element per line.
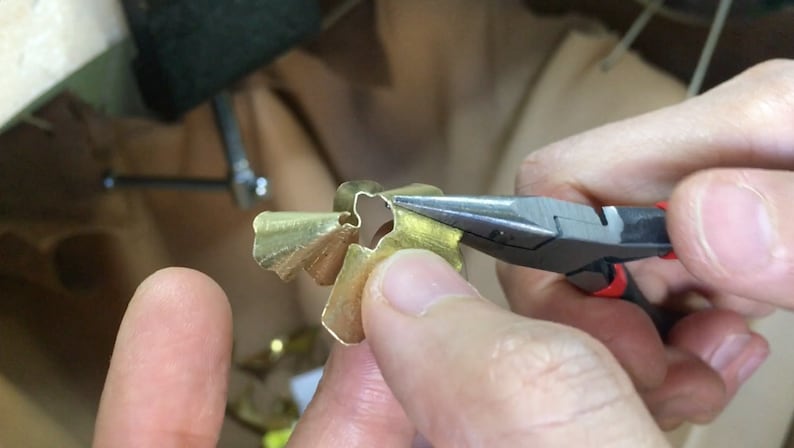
<point x="715" y="31"/>
<point x="111" y="181"/>
<point x="246" y="187"/>
<point x="234" y="150"/>
<point x="338" y="13"/>
<point x="631" y="35"/>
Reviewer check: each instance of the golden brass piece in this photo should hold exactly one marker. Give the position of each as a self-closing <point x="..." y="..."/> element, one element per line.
<point x="326" y="245"/>
<point x="283" y="413"/>
<point x="285" y="242"/>
<point x="298" y="351"/>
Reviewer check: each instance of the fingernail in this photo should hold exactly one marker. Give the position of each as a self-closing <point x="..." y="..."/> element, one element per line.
<point x="728" y="351"/>
<point x="735" y="227"/>
<point x="413" y="280"/>
<point x="750" y="366"/>
<point x="676" y="408"/>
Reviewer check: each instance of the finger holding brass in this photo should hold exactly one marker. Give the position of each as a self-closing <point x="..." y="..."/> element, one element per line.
<point x="327" y="246"/>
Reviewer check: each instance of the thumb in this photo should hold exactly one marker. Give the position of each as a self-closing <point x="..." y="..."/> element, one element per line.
<point x="731" y="228"/>
<point x="468" y="373"/>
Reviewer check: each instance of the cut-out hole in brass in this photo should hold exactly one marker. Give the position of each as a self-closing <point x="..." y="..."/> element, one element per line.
<point x="374" y="213"/>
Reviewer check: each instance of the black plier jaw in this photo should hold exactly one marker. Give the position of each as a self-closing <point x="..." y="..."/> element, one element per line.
<point x="589" y="245"/>
<point x="546" y="233"/>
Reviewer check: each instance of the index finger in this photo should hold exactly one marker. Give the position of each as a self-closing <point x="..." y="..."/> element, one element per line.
<point x="166" y="385"/>
<point x="744" y="122"/>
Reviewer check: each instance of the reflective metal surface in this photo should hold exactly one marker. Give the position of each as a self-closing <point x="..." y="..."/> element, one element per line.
<point x="327" y="246"/>
<point x="546" y="233"/>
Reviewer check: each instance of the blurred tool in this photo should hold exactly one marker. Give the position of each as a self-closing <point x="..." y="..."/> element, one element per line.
<point x="246" y="187"/>
<point x="189" y="51"/>
<point x="631" y="35"/>
<point x="588" y="245"/>
<point x="708" y="48"/>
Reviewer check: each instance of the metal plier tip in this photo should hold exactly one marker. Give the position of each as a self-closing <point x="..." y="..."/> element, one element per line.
<point x="588" y="245"/>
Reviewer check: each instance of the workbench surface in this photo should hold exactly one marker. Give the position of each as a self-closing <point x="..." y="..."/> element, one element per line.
<point x="43" y="42"/>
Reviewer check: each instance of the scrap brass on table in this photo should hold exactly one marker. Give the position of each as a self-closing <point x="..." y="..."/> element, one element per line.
<point x="326" y="245"/>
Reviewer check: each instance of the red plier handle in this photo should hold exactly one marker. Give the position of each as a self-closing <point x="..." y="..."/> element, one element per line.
<point x="623" y="286"/>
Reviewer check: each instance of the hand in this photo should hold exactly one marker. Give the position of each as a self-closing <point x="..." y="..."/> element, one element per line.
<point x="443" y="362"/>
<point x="720" y="159"/>
<point x="439" y="361"/>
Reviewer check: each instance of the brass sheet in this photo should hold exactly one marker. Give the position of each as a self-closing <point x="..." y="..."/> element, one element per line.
<point x="326" y="246"/>
<point x="285" y="242"/>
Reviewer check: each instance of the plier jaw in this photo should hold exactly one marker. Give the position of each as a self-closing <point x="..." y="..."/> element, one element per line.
<point x="546" y="233"/>
<point x="588" y="245"/>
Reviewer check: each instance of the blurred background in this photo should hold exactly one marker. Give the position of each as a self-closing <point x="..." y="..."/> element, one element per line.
<point x="136" y="135"/>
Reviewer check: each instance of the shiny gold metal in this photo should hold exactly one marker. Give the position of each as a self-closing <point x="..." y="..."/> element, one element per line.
<point x="283" y="413"/>
<point x="297" y="351"/>
<point x="285" y="242"/>
<point x="326" y="245"/>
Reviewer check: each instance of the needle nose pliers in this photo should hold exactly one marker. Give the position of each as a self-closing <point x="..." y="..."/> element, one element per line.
<point x="588" y="245"/>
